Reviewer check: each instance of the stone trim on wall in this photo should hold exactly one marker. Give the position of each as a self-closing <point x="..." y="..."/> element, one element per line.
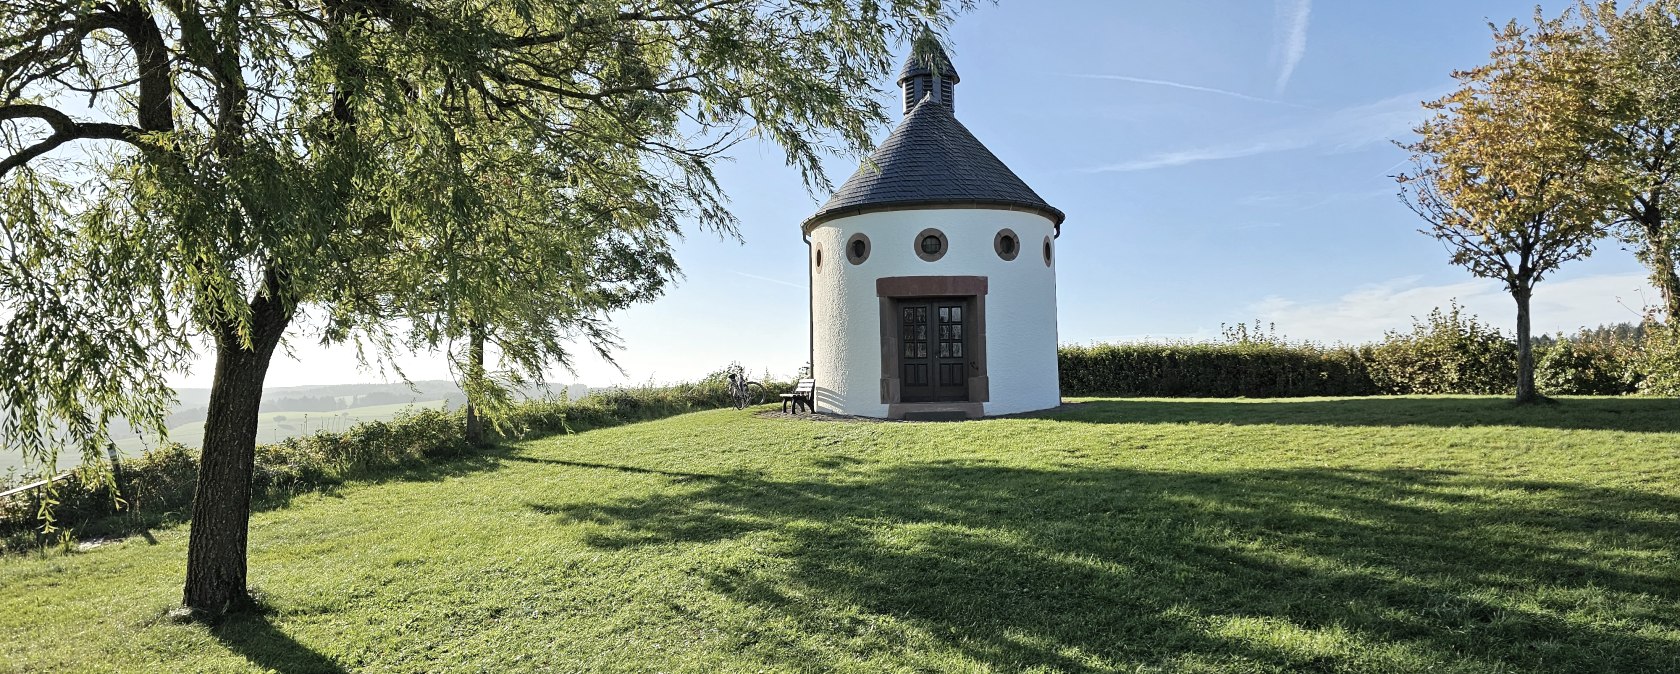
<point x="971" y="288"/>
<point x="944" y="245"/>
<point x="924" y="411"/>
<point x="997" y="244"/>
<point x="930" y="286"/>
<point x="851" y="247"/>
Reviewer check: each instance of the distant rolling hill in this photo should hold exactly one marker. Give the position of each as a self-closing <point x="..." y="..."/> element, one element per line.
<point x="295" y="410"/>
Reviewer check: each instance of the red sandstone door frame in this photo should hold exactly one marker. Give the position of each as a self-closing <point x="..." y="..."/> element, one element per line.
<point x="971" y="290"/>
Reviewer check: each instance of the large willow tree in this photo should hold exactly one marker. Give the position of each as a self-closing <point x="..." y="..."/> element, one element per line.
<point x="375" y="171"/>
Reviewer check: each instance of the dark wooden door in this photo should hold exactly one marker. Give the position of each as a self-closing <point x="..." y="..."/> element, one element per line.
<point x="933" y="350"/>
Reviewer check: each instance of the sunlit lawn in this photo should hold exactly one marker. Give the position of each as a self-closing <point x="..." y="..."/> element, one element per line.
<point x="1401" y="535"/>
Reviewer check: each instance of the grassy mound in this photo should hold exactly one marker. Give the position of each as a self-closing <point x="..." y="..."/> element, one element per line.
<point x="1444" y="534"/>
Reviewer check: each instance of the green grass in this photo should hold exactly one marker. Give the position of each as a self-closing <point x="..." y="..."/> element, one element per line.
<point x="1397" y="535"/>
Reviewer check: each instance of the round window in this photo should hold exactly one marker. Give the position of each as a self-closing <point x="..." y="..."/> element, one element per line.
<point x="931" y="244"/>
<point x="1047" y="259"/>
<point x="819" y="259"/>
<point x="1006" y="244"/>
<point x="857" y="248"/>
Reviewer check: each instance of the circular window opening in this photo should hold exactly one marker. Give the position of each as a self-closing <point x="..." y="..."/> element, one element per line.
<point x="819" y="259"/>
<point x="1006" y="244"/>
<point x="857" y="249"/>
<point x="1046" y="251"/>
<point x="931" y="244"/>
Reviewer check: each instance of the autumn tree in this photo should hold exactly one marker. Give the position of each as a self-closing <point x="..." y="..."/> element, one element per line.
<point x="1499" y="173"/>
<point x="365" y="171"/>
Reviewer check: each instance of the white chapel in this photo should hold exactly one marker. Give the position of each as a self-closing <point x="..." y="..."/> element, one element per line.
<point x="933" y="274"/>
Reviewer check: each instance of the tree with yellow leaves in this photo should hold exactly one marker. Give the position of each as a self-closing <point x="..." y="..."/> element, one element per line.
<point x="1500" y="173"/>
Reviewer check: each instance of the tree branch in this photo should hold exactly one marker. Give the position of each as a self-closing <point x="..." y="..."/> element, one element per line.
<point x="64" y="129"/>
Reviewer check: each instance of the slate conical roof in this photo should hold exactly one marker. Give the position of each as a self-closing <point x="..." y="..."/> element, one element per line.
<point x="931" y="160"/>
<point x="916" y="67"/>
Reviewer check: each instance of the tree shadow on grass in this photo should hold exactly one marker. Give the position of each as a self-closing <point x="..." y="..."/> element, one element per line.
<point x="251" y="635"/>
<point x="1105" y="569"/>
<point x="1650" y="415"/>
<point x="676" y="476"/>
<point x="168" y="512"/>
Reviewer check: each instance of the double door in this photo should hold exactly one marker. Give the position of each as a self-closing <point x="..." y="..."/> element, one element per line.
<point x="934" y="353"/>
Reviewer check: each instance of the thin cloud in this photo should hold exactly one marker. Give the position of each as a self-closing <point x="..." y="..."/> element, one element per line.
<point x="1350" y="129"/>
<point x="767" y="279"/>
<point x="1186" y="87"/>
<point x="1198" y="155"/>
<point x="1293" y="17"/>
<point x="1365" y="313"/>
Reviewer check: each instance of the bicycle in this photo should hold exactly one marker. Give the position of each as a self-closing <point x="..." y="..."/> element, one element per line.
<point x="745" y="393"/>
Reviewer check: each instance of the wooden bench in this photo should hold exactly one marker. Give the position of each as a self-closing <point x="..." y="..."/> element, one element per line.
<point x="804" y="395"/>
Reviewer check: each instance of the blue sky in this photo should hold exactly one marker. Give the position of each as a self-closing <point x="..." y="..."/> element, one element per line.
<point x="1218" y="161"/>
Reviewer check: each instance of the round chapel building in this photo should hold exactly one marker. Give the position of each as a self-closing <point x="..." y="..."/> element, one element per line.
<point x="933" y="274"/>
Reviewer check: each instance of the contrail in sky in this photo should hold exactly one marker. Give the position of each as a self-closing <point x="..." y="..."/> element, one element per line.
<point x="1293" y="17"/>
<point x="1187" y="87"/>
<point x="770" y="280"/>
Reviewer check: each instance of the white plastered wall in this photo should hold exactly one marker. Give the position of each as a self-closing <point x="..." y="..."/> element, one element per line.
<point x="1020" y="303"/>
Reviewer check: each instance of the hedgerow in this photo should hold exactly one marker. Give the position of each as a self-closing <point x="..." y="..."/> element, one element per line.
<point x="1447" y="352"/>
<point x="1213" y="370"/>
<point x="156" y="488"/>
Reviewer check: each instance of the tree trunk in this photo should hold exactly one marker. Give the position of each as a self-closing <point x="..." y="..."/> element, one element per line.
<point x="475" y="383"/>
<point x="221" y="509"/>
<point x="117" y="478"/>
<point x="1525" y="349"/>
<point x="1659" y="255"/>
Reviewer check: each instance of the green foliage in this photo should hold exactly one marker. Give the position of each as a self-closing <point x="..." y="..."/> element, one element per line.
<point x="1251" y="362"/>
<point x="1584" y="365"/>
<point x="1447" y="352"/>
<point x="1637" y="47"/>
<point x="392" y="171"/>
<point x="1658" y="363"/>
<point x="380" y="173"/>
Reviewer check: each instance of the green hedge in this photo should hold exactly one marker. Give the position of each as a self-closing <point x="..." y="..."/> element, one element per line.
<point x="1579" y="367"/>
<point x="1255" y="370"/>
<point x="158" y="485"/>
<point x="1446" y="352"/>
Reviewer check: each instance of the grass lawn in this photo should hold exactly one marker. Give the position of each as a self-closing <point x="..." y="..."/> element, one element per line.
<point x="1398" y="535"/>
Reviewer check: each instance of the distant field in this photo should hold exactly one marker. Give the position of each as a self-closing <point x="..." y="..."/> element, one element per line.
<point x="277" y="426"/>
<point x="272" y="427"/>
